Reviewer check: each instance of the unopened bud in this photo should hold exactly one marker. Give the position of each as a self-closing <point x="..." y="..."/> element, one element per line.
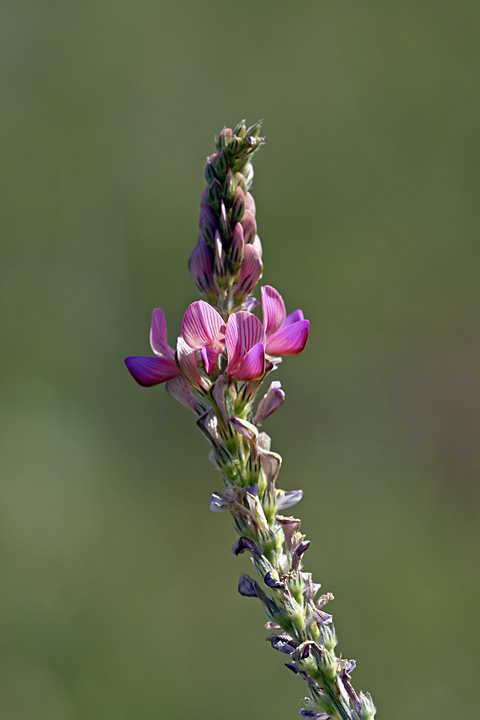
<point x="210" y="171"/>
<point x="221" y="163"/>
<point x="225" y="227"/>
<point x="223" y="138"/>
<point x="214" y="194"/>
<point x="240" y="182"/>
<point x="220" y="269"/>
<point x="250" y="203"/>
<point x="237" y="248"/>
<point x="240" y="129"/>
<point x="248" y="172"/>
<point x="208" y="223"/>
<point x="238" y="206"/>
<point x="249" y="225"/>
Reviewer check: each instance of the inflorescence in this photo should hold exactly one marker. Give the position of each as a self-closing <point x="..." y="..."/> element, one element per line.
<point x="222" y="357"/>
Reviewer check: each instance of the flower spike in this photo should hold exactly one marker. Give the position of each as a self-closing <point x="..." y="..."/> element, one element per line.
<point x="223" y="355"/>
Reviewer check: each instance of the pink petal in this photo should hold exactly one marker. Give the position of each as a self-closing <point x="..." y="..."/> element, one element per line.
<point x="252" y="366"/>
<point x="273" y="309"/>
<point x="293" y="318"/>
<point x="158" y="334"/>
<point x="250" y="203"/>
<point x="210" y="357"/>
<point x="270" y="402"/>
<point x="148" y="371"/>
<point x="291" y="340"/>
<point x="258" y="245"/>
<point x="201" y="325"/>
<point x="244" y="330"/>
<point x="249" y="225"/>
<point x="187" y="362"/>
<point x="200" y="265"/>
<point x="250" y="272"/>
<point x="180" y="389"/>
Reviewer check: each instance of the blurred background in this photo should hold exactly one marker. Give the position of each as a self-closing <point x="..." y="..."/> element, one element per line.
<point x="119" y="592"/>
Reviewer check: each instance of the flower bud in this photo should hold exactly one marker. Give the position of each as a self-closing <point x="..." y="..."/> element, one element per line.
<point x="214" y="194"/>
<point x="238" y="206"/>
<point x="210" y="171"/>
<point x="229" y="187"/>
<point x="220" y="269"/>
<point x="225" y="227"/>
<point x="200" y="265"/>
<point x="208" y="223"/>
<point x="250" y="203"/>
<point x="221" y="163"/>
<point x="237" y="248"/>
<point x="239" y="130"/>
<point x="249" y="225"/>
<point x="240" y="181"/>
<point x="248" y="172"/>
<point x="223" y="138"/>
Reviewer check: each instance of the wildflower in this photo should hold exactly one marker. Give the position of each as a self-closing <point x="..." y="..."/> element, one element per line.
<point x="286" y="334"/>
<point x="148" y="371"/>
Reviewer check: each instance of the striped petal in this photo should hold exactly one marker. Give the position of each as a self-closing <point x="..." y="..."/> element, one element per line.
<point x="273" y="309"/>
<point x="291" y="340"/>
<point x="243" y="332"/>
<point x="187" y="362"/>
<point x="180" y="389"/>
<point x="158" y="334"/>
<point x="252" y="366"/>
<point x="202" y="325"/>
<point x="148" y="371"/>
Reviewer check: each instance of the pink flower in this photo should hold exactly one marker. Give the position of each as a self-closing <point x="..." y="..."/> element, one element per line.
<point x="148" y="371"/>
<point x="286" y="334"/>
<point x="243" y="338"/>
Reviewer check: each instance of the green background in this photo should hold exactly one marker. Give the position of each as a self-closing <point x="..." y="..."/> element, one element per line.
<point x="118" y="596"/>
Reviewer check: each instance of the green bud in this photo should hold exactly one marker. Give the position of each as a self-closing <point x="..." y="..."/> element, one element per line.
<point x="239" y="181"/>
<point x="210" y="170"/>
<point x="233" y="148"/>
<point x="328" y="637"/>
<point x="221" y="163"/>
<point x="214" y="195"/>
<point x="229" y="188"/>
<point x="223" y="138"/>
<point x="254" y="130"/>
<point x="240" y="129"/>
<point x="248" y="172"/>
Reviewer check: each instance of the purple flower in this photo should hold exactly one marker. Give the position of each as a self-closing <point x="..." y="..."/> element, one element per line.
<point x="148" y="371"/>
<point x="286" y="334"/>
<point x="314" y="714"/>
<point x="287" y="499"/>
<point x="270" y="402"/>
<point x="243" y="338"/>
<point x="247" y="586"/>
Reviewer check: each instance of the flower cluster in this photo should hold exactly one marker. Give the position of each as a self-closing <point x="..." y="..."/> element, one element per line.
<point x="222" y="356"/>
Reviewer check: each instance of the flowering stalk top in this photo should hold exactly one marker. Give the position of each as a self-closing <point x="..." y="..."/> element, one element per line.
<point x="223" y="355"/>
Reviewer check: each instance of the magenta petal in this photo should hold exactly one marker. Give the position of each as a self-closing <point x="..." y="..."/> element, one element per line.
<point x="273" y="309"/>
<point x="244" y="330"/>
<point x="201" y="325"/>
<point x="252" y="366"/>
<point x="187" y="362"/>
<point x="291" y="340"/>
<point x="210" y="357"/>
<point x="293" y="318"/>
<point x="258" y="246"/>
<point x="148" y="371"/>
<point x="158" y="334"/>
